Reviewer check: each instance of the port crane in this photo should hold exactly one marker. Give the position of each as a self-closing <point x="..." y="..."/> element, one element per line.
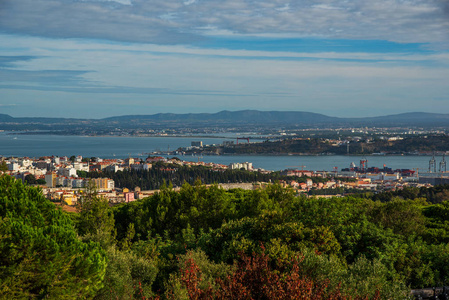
<point x="363" y="164"/>
<point x="443" y="164"/>
<point x="432" y="164"/>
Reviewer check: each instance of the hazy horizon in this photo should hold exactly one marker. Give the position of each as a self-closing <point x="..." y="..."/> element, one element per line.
<point x="216" y="112"/>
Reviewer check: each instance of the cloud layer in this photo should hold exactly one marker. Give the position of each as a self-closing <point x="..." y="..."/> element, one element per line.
<point x="343" y="58"/>
<point x="116" y="78"/>
<point x="190" y="21"/>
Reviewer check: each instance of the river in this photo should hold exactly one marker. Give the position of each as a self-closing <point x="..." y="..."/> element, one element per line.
<point x="122" y="147"/>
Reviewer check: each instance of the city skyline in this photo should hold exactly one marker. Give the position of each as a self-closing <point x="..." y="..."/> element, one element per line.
<point x="97" y="58"/>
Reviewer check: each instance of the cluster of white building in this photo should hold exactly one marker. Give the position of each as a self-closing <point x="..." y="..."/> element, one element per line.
<point x="62" y="182"/>
<point x="63" y="171"/>
<point x="56" y="171"/>
<point x="239" y="166"/>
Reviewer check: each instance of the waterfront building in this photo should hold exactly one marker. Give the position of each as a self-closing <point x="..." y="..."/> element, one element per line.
<point x="238" y="166"/>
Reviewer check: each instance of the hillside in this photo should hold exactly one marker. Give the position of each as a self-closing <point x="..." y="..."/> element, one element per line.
<point x="222" y="119"/>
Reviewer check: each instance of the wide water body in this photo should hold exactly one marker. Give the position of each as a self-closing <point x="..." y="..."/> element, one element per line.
<point x="122" y="147"/>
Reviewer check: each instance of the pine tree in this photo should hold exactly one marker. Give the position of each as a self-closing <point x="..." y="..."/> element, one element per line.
<point x="41" y="255"/>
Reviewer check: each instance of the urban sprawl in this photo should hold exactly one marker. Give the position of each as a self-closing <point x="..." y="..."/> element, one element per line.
<point x="61" y="177"/>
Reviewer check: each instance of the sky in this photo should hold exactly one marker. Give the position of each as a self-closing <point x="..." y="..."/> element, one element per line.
<point x="102" y="58"/>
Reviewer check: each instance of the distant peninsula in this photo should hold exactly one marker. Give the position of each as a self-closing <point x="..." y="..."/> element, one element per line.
<point x="414" y="145"/>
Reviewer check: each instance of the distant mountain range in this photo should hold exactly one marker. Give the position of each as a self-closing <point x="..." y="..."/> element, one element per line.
<point x="242" y="116"/>
<point x="239" y="118"/>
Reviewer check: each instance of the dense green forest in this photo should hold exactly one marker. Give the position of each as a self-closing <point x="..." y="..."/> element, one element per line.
<point x="208" y="243"/>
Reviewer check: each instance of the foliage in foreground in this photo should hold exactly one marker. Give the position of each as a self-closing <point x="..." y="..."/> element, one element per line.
<point x="255" y="278"/>
<point x="41" y="255"/>
<point x="207" y="243"/>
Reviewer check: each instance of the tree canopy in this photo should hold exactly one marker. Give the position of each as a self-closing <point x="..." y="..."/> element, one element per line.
<point x="41" y="255"/>
<point x="205" y="242"/>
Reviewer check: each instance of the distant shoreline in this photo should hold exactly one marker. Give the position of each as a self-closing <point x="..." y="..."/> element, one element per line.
<point x="137" y="135"/>
<point x="283" y="154"/>
<point x="121" y="136"/>
<point x="37" y="133"/>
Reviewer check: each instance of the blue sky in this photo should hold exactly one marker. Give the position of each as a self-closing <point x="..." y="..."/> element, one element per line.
<point x="100" y="58"/>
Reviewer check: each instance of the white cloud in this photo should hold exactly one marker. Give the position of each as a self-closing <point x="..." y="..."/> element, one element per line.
<point x="176" y="21"/>
<point x="180" y="76"/>
<point x="52" y="48"/>
<point x="188" y="2"/>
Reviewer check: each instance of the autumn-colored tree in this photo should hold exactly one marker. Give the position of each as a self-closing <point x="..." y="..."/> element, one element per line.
<point x="255" y="278"/>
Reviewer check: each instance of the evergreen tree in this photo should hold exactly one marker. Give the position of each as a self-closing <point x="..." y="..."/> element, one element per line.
<point x="95" y="219"/>
<point x="41" y="255"/>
